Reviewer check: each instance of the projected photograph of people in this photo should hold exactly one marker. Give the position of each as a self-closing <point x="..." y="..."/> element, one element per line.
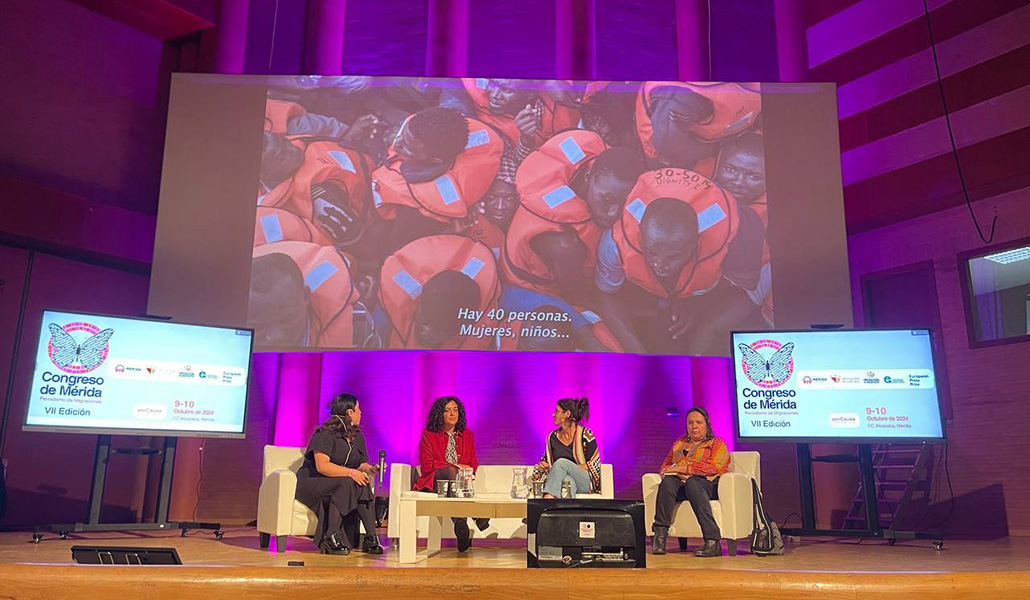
<point x="502" y="214"/>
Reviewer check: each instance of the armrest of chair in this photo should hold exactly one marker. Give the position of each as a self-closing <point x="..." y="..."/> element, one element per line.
<point x="649" y="483"/>
<point x="275" y="502"/>
<point x="400" y="481"/>
<point x="607" y="481"/>
<point x="735" y="498"/>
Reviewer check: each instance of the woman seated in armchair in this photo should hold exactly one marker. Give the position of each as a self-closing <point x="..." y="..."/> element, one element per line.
<point x="334" y="480"/>
<point x="691" y="473"/>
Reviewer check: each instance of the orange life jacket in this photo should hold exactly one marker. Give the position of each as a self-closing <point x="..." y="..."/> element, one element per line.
<point x="735" y="108"/>
<point x="449" y="195"/>
<point x="554" y="117"/>
<point x="325" y="162"/>
<point x="487" y="233"/>
<point x="328" y="278"/>
<point x="706" y="167"/>
<point x="406" y="271"/>
<point x="279" y="225"/>
<point x="593" y="88"/>
<point x="278" y="114"/>
<point x="597" y="326"/>
<point x="548" y="203"/>
<point x="717" y="216"/>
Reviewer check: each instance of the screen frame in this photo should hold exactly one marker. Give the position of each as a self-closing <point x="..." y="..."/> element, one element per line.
<point x="177" y="433"/>
<point x="943" y="439"/>
<point x="214" y="119"/>
<point x="966" y="283"/>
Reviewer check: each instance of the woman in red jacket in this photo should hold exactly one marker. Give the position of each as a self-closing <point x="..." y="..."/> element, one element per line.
<point x="446" y="447"/>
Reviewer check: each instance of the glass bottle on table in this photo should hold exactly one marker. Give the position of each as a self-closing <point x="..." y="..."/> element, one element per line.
<point x="466" y="483"/>
<point x="519" y="483"/>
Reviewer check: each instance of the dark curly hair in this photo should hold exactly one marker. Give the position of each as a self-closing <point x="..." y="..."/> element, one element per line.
<point x="625" y="164"/>
<point x="444" y="131"/>
<point x="579" y="408"/>
<point x="338" y="420"/>
<point x="434" y="422"/>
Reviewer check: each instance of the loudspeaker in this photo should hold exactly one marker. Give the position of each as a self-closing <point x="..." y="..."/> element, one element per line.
<point x="585" y="533"/>
<point x="121" y="555"/>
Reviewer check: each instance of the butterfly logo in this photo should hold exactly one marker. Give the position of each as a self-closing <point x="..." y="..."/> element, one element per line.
<point x="770" y="373"/>
<point x="72" y="357"/>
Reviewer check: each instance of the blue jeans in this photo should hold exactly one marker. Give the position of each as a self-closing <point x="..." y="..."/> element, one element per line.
<point x="564" y="469"/>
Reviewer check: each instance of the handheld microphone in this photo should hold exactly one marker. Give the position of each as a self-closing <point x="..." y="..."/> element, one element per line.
<point x="382" y="465"/>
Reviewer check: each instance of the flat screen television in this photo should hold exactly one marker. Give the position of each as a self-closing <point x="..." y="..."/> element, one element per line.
<point x="864" y="386"/>
<point x="116" y="375"/>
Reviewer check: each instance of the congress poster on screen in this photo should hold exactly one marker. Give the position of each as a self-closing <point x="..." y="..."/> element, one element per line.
<point x="836" y="384"/>
<point x="97" y="372"/>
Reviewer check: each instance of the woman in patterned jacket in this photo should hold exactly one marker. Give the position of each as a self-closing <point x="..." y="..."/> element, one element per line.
<point x="571" y="452"/>
<point x="691" y="472"/>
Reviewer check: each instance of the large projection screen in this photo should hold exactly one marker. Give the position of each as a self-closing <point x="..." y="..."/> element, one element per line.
<point x="500" y="214"/>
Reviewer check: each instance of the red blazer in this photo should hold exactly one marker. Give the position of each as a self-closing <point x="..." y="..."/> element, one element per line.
<point x="432" y="449"/>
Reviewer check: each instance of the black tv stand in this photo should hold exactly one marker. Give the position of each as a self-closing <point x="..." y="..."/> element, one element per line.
<point x="872" y="519"/>
<point x="96" y="497"/>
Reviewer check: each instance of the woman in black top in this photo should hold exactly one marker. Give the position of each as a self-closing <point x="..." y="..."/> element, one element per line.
<point x="334" y="479"/>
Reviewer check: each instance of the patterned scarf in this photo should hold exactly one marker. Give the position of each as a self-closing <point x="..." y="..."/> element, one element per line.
<point x="451" y="455"/>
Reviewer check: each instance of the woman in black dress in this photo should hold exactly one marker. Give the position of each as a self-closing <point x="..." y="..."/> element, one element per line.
<point x="334" y="480"/>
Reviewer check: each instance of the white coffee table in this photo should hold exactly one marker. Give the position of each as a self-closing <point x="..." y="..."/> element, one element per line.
<point x="416" y="504"/>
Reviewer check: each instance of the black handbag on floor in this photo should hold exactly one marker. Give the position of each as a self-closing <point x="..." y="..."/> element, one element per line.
<point x="765" y="538"/>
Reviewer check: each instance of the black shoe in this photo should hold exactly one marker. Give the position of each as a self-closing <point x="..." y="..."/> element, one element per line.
<point x="370" y="544"/>
<point x="711" y="548"/>
<point x="461" y="531"/>
<point x="332" y="544"/>
<point x="658" y="539"/>
<point x="482" y="524"/>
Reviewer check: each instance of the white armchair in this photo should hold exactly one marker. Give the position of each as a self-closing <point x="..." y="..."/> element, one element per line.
<point x="490" y="479"/>
<point x="280" y="514"/>
<point x="733" y="510"/>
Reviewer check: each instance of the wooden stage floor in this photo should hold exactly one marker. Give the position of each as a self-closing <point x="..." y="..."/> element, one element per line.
<point x="235" y="567"/>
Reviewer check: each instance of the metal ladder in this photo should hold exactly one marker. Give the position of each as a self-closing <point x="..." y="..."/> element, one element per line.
<point x="903" y="475"/>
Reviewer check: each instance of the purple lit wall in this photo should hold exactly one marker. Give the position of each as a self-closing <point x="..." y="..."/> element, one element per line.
<point x="638" y="403"/>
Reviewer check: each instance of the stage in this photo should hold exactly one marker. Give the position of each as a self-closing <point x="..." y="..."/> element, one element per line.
<point x="235" y="567"/>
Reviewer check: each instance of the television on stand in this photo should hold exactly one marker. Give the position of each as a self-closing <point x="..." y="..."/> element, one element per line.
<point x="107" y="375"/>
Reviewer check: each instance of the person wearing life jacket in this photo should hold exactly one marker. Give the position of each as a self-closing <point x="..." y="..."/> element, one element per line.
<point x="438" y="292"/>
<point x="677" y="122"/>
<point x="499" y="203"/>
<point x="330" y="188"/>
<point x="606" y="109"/>
<point x="289" y="118"/>
<point x="493" y="214"/>
<point x="301" y="295"/>
<point x="525" y="327"/>
<point x="526" y="113"/>
<point x="571" y="190"/>
<point x="741" y="171"/>
<point x="667" y="249"/>
<point x="560" y="104"/>
<point x="439" y="165"/>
